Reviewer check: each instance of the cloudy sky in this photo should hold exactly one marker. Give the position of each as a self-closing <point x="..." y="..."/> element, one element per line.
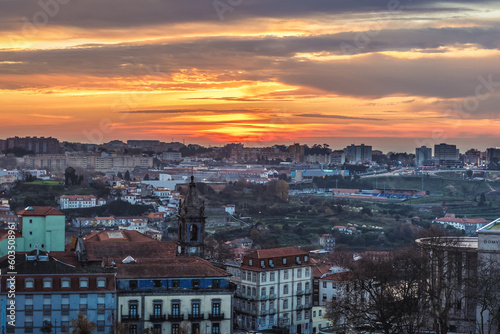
<point x="397" y="74"/>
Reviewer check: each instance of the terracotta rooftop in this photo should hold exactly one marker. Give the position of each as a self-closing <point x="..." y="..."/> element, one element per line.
<point x="339" y="277"/>
<point x="78" y="197"/>
<point x="173" y="267"/>
<point x="276" y="252"/>
<point x="117" y="245"/>
<point x="321" y="269"/>
<point x="40" y="211"/>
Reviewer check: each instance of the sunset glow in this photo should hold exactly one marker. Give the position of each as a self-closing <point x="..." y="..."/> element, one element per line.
<point x="267" y="71"/>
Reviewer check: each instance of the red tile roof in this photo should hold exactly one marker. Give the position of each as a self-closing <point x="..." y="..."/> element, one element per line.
<point x="321" y="269"/>
<point x="78" y="197"/>
<point x="173" y="267"/>
<point x="40" y="211"/>
<point x="339" y="277"/>
<point x="117" y="245"/>
<point x="276" y="252"/>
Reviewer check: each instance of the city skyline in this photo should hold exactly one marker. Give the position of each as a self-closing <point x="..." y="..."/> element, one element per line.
<point x="258" y="72"/>
<point x="386" y="145"/>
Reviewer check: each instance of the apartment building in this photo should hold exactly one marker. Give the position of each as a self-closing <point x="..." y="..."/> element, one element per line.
<point x="49" y="289"/>
<point x="274" y="290"/>
<point x="184" y="293"/>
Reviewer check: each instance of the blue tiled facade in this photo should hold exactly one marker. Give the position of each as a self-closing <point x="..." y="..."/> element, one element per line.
<point x="32" y="309"/>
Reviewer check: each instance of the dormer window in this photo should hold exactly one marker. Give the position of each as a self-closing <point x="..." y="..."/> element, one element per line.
<point x="262" y="263"/>
<point x="47" y="283"/>
<point x="306" y="258"/>
<point x="65" y="283"/>
<point x="84" y="282"/>
<point x="271" y="263"/>
<point x="29" y="283"/>
<point x="284" y="260"/>
<point x="250" y="262"/>
<point x="101" y="282"/>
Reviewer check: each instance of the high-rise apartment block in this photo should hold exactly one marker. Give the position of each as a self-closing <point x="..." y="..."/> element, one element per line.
<point x="358" y="153"/>
<point x="422" y="154"/>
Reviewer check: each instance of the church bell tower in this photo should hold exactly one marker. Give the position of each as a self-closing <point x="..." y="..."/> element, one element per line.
<point x="191" y="221"/>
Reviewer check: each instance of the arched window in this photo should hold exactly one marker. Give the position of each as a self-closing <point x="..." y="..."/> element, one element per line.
<point x="193" y="232"/>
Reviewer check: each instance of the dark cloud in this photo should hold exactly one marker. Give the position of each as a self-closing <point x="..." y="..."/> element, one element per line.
<point x="271" y="59"/>
<point x="97" y="14"/>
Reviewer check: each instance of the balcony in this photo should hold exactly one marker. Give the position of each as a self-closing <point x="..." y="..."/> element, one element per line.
<point x="247" y="311"/>
<point x="157" y="317"/>
<point x="307" y="306"/>
<point x="264" y="297"/>
<point x="272" y="296"/>
<point x="299" y="292"/>
<point x="272" y="311"/>
<point x="300" y="307"/>
<point x="130" y="317"/>
<point x="216" y="316"/>
<point x="175" y="317"/>
<point x="307" y="291"/>
<point x="196" y="317"/>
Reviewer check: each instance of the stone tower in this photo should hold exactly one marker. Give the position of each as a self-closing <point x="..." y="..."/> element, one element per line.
<point x="191" y="221"/>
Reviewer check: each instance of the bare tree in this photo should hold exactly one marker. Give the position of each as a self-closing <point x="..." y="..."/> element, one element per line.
<point x="382" y="292"/>
<point x="450" y="262"/>
<point x="82" y="325"/>
<point x="486" y="295"/>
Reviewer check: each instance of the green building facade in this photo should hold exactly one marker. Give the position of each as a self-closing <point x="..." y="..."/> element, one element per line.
<point x="41" y="227"/>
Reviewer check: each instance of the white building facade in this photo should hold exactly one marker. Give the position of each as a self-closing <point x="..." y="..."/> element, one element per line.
<point x="274" y="289"/>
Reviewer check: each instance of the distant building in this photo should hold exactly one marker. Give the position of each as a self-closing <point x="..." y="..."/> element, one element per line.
<point x="297" y="151"/>
<point x="337" y="157"/>
<point x="469" y="225"/>
<point x="446" y="153"/>
<point x="172" y="156"/>
<point x="230" y="208"/>
<point x="243" y="243"/>
<point x="309" y="174"/>
<point x="139" y="225"/>
<point x="358" y="153"/>
<point x="473" y="157"/>
<point x="493" y="158"/>
<point x="37" y="145"/>
<point x="80" y="201"/>
<point x="423" y="154"/>
<point x="142" y="143"/>
<point x="327" y="241"/>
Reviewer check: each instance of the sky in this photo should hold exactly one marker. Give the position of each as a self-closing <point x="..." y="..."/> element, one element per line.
<point x="394" y="74"/>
